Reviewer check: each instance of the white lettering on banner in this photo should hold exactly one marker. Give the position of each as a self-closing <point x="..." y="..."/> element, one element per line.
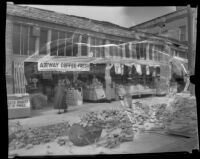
<point x="62" y="66"/>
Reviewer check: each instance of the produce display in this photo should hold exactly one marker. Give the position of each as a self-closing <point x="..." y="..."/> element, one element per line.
<point x="74" y="96"/>
<point x="93" y="91"/>
<point x="94" y="84"/>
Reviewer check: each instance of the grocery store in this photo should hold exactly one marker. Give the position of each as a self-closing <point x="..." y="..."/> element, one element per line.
<point x="89" y="78"/>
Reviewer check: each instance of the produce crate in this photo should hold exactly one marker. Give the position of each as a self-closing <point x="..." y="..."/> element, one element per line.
<point x="18" y="106"/>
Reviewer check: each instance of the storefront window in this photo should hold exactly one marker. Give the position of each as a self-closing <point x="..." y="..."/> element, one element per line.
<point x="75" y="44"/>
<point x="31" y="41"/>
<point x="138" y="50"/>
<point x="103" y="42"/>
<point x="68" y="43"/>
<point x="98" y="49"/>
<point x="127" y="52"/>
<point x="23" y="39"/>
<point x="150" y="51"/>
<point x="43" y="41"/>
<point x="84" y="47"/>
<point x="54" y="41"/>
<point x="61" y="43"/>
<point x="16" y="38"/>
<point x="120" y="49"/>
<point x="92" y="46"/>
<point x="111" y="48"/>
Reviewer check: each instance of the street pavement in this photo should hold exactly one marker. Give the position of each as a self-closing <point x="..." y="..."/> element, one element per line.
<point x="143" y="143"/>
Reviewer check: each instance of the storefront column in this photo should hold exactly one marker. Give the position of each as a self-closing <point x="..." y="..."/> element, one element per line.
<point x="147" y="52"/>
<point x="107" y="49"/>
<point x="108" y="82"/>
<point x="49" y="42"/>
<point x="37" y="44"/>
<point x="79" y="45"/>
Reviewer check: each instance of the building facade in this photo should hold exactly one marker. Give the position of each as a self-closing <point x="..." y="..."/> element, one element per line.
<point x="31" y="31"/>
<point x="173" y="25"/>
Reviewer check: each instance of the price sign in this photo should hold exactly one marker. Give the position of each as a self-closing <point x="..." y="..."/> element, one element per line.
<point x="21" y="103"/>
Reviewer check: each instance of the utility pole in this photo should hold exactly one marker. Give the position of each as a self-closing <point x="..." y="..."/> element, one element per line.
<point x="191" y="53"/>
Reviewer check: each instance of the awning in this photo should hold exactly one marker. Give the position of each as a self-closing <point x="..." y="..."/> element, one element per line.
<point x="59" y="63"/>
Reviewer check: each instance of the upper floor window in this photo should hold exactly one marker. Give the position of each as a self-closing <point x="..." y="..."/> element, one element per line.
<point x="43" y="41"/>
<point x="127" y="52"/>
<point x="23" y="39"/>
<point x="183" y="33"/>
<point x="84" y="47"/>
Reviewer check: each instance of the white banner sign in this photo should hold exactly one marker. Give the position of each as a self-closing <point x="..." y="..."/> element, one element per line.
<point x="62" y="66"/>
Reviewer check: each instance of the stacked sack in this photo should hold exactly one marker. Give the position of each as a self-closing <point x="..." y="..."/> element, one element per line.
<point x="183" y="118"/>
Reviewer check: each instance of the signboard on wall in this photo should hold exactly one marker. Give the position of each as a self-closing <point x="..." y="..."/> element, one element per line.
<point x="18" y="103"/>
<point x="63" y="66"/>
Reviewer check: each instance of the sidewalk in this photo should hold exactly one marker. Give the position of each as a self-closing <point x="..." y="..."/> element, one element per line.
<point x="48" y="115"/>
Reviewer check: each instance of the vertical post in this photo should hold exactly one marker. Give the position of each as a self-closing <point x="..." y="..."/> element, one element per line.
<point x="49" y="42"/>
<point x="191" y="59"/>
<point x="37" y="45"/>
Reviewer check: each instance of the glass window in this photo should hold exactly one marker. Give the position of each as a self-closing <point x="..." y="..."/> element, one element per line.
<point x="98" y="49"/>
<point x="145" y="50"/>
<point x="61" y="43"/>
<point x="121" y="49"/>
<point x="134" y="55"/>
<point x="68" y="43"/>
<point x="24" y="40"/>
<point x="75" y="44"/>
<point x="43" y="41"/>
<point x="138" y="50"/>
<point x="54" y="41"/>
<point x="32" y="40"/>
<point x="103" y="42"/>
<point x="111" y="49"/>
<point x="116" y="50"/>
<point x="92" y="46"/>
<point x="150" y="51"/>
<point x="183" y="33"/>
<point x="16" y="39"/>
<point x="84" y="47"/>
<point x="127" y="50"/>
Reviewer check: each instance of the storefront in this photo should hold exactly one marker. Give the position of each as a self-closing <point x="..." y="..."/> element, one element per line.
<point x="95" y="79"/>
